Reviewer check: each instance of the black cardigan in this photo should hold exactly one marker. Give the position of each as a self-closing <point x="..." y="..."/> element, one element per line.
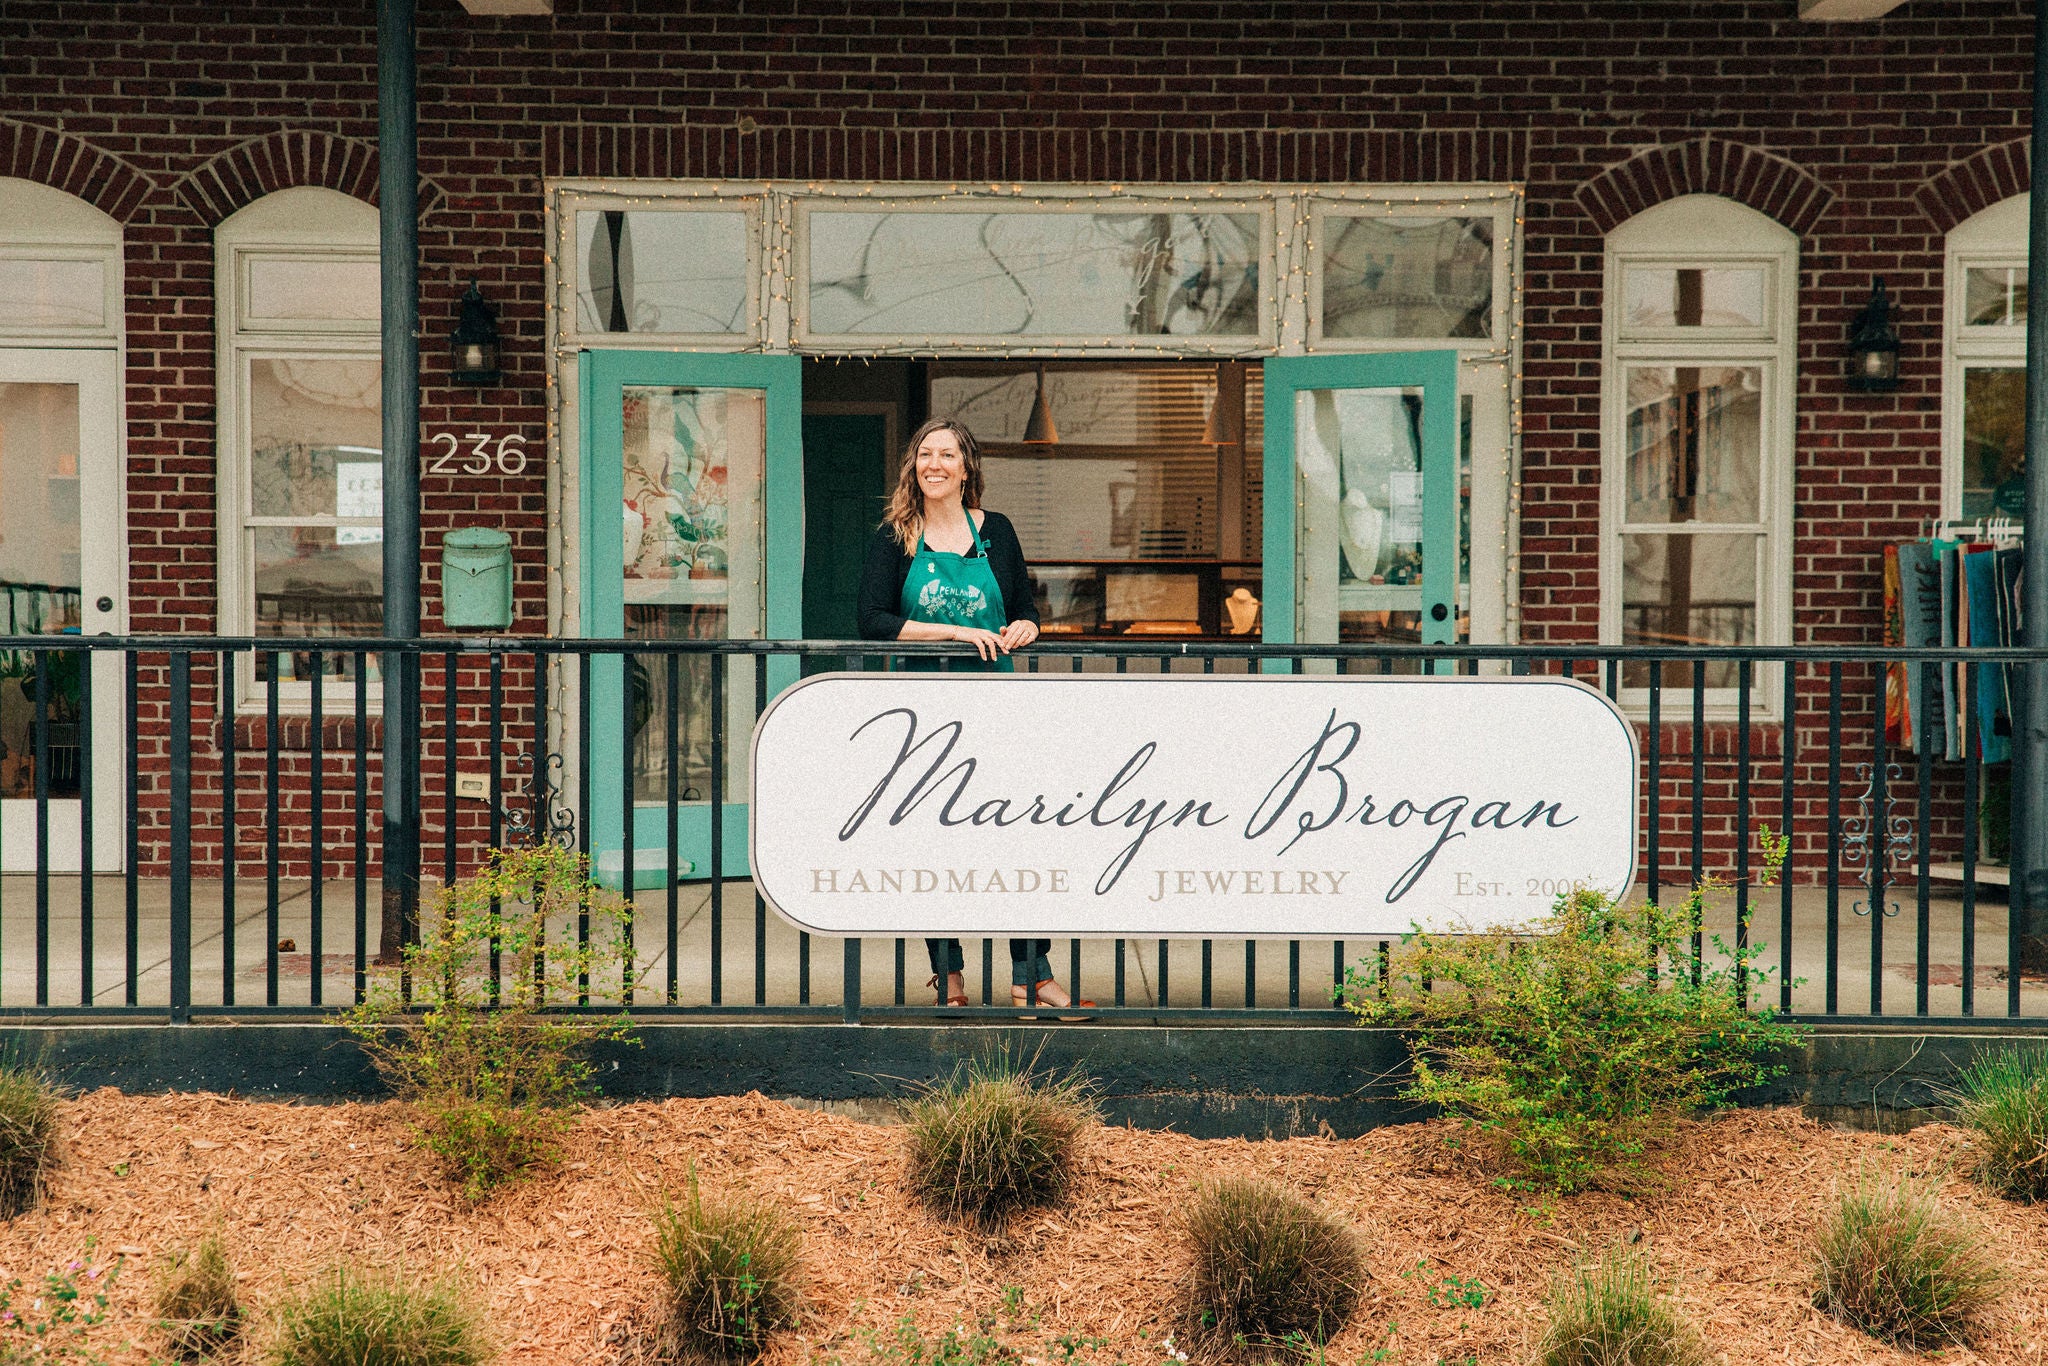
<point x="882" y="576"/>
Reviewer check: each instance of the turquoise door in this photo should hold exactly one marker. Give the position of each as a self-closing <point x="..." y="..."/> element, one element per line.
<point x="691" y="520"/>
<point x="1362" y="501"/>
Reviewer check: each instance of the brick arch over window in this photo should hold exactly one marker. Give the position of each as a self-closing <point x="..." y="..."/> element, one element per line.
<point x="284" y="160"/>
<point x="1770" y="184"/>
<point x="1975" y="183"/>
<point x="74" y="166"/>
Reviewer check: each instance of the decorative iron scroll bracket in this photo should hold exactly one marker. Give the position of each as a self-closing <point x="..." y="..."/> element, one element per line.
<point x="538" y="815"/>
<point x="1877" y="842"/>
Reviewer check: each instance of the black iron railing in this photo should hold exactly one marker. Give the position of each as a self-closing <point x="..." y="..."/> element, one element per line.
<point x="226" y="800"/>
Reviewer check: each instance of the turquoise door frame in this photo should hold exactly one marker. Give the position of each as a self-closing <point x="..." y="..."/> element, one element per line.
<point x="603" y="376"/>
<point x="1435" y="373"/>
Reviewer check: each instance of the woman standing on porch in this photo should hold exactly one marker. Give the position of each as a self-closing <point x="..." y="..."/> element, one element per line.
<point x="941" y="567"/>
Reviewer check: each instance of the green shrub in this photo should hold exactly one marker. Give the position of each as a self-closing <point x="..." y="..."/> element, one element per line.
<point x="1609" y="1314"/>
<point x="28" y="1138"/>
<point x="1894" y="1262"/>
<point x="1267" y="1268"/>
<point x="996" y="1136"/>
<point x="493" y="1080"/>
<point x="1560" y="1041"/>
<point x="2003" y="1097"/>
<point x="731" y="1266"/>
<point x="356" y="1317"/>
<point x="195" y="1301"/>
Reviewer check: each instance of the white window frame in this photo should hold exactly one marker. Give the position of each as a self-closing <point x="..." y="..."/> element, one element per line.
<point x="1704" y="232"/>
<point x="304" y="221"/>
<point x="1993" y="238"/>
<point x="1292" y="215"/>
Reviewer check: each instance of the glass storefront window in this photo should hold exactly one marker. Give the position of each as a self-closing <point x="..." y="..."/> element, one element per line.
<point x="40" y="578"/>
<point x="1695" y="444"/>
<point x="1681" y="589"/>
<point x="1407" y="277"/>
<point x="673" y="271"/>
<point x="1994" y="441"/>
<point x="693" y="560"/>
<point x="952" y="272"/>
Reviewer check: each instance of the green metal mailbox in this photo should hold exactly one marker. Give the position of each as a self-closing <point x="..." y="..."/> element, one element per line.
<point x="476" y="580"/>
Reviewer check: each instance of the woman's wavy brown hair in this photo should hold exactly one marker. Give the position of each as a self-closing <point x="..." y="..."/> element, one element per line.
<point x="905" y="516"/>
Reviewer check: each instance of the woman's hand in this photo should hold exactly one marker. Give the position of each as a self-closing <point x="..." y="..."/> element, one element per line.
<point x="986" y="643"/>
<point x="1019" y="634"/>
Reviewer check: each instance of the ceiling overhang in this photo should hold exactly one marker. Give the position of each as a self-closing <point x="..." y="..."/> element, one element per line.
<point x="1845" y="11"/>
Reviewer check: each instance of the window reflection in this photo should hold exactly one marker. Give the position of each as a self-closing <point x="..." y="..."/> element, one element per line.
<point x="1694" y="443"/>
<point x="39" y="583"/>
<point x="1994" y="441"/>
<point x="953" y="272"/>
<point x="1683" y="590"/>
<point x="1692" y="296"/>
<point x="672" y="271"/>
<point x="1406" y="277"/>
<point x="1994" y="296"/>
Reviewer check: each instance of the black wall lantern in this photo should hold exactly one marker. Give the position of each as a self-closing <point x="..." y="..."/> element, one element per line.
<point x="473" y="350"/>
<point x="1874" y="345"/>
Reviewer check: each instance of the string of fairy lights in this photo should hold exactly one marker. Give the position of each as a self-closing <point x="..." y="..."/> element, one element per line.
<point x="1289" y="265"/>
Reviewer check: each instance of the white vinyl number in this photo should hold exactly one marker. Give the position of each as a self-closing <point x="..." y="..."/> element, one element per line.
<point x="506" y="456"/>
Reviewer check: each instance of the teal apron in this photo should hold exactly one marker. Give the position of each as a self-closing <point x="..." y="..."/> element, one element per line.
<point x="954" y="590"/>
<point x="946" y="589"/>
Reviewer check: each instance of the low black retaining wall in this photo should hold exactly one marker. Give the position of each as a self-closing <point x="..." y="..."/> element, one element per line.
<point x="1211" y="1082"/>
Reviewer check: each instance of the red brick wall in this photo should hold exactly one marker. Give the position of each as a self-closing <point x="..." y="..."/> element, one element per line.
<point x="1869" y="140"/>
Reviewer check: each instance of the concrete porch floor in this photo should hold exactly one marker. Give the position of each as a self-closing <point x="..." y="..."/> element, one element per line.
<point x="782" y="984"/>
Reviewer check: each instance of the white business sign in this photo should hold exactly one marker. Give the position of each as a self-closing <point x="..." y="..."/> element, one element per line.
<point x="1186" y="806"/>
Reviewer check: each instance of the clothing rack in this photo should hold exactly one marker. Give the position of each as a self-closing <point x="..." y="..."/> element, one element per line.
<point x="1958" y="585"/>
<point x="1997" y="527"/>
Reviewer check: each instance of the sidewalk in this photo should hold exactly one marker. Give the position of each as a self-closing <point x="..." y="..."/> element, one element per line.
<point x="783" y="953"/>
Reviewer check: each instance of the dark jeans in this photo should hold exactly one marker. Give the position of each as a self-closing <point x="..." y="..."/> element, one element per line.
<point x="1028" y="963"/>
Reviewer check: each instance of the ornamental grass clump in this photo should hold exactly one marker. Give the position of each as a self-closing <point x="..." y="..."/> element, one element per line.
<point x="2002" y="1097"/>
<point x="353" y="1316"/>
<point x="1576" y="1042"/>
<point x="731" y="1269"/>
<point x="1610" y="1314"/>
<point x="28" y="1138"/>
<point x="996" y="1136"/>
<point x="1893" y="1261"/>
<point x="493" y="1080"/>
<point x="194" y="1298"/>
<point x="1267" y="1269"/>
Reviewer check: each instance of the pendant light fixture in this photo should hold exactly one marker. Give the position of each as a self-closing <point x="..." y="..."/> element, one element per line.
<point x="1039" y="428"/>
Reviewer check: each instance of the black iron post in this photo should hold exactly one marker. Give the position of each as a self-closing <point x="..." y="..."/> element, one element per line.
<point x="2030" y="751"/>
<point x="398" y="249"/>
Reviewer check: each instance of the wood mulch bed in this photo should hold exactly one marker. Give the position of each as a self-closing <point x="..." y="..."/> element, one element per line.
<point x="560" y="1259"/>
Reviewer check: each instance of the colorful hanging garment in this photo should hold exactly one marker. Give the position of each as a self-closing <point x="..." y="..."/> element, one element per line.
<point x="1898" y="726"/>
<point x="1994" y="721"/>
<point x="1920" y="613"/>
